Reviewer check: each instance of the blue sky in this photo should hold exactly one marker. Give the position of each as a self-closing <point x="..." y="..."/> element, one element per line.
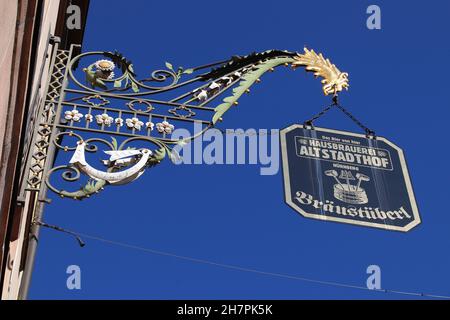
<point x="230" y="213"/>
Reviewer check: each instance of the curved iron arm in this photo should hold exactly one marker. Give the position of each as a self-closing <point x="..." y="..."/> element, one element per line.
<point x="201" y="89"/>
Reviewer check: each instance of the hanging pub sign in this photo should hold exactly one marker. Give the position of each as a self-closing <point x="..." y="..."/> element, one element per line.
<point x="346" y="177"/>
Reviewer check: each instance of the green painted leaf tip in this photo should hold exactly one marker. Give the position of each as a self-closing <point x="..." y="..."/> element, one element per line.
<point x="114" y="143"/>
<point x="134" y="87"/>
<point x="117" y="83"/>
<point x="169" y="66"/>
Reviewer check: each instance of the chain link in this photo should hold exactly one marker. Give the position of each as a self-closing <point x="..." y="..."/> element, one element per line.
<point x="369" y="133"/>
<point x="310" y="123"/>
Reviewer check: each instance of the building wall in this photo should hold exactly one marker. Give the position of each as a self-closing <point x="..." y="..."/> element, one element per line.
<point x="17" y="22"/>
<point x="23" y="74"/>
<point x="26" y="27"/>
<point x="8" y="17"/>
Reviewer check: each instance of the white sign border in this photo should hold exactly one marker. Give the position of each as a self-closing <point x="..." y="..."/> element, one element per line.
<point x="287" y="185"/>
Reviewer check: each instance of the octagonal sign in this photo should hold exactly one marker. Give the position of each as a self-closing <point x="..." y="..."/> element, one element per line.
<point x="346" y="177"/>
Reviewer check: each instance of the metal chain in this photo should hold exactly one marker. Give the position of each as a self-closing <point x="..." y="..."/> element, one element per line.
<point x="369" y="133"/>
<point x="317" y="116"/>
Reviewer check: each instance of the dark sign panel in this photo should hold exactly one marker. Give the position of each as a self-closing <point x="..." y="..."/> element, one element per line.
<point x="345" y="177"/>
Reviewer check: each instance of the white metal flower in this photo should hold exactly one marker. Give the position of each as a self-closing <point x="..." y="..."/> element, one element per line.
<point x="105" y="65"/>
<point x="74" y="115"/>
<point x="150" y="125"/>
<point x="164" y="127"/>
<point x="89" y="117"/>
<point x="134" y="123"/>
<point x="119" y="122"/>
<point x="104" y="69"/>
<point x="104" y="118"/>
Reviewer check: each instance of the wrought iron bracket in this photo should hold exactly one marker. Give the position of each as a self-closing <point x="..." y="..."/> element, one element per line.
<point x="104" y="103"/>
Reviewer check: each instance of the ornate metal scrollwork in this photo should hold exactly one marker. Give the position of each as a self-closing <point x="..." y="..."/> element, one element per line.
<point x="103" y="102"/>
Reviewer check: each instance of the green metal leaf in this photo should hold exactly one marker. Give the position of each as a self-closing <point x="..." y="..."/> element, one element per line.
<point x="117" y="83"/>
<point x="169" y="66"/>
<point x="89" y="187"/>
<point x="135" y="87"/>
<point x="114" y="143"/>
<point x="247" y="81"/>
<point x="159" y="154"/>
<point x="188" y="71"/>
<point x="157" y="157"/>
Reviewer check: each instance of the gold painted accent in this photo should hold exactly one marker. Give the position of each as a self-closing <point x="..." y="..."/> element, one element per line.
<point x="333" y="80"/>
<point x="105" y="64"/>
